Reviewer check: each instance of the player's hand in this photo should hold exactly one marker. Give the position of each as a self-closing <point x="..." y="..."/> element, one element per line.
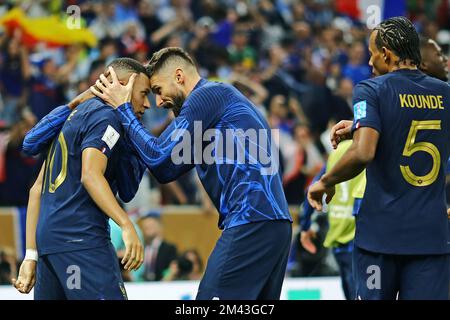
<point x="134" y="251"/>
<point x="113" y="93"/>
<point x="448" y="213"/>
<point x="341" y="131"/>
<point x="27" y="277"/>
<point x="306" y="241"/>
<point x="316" y="192"/>
<point x="79" y="99"/>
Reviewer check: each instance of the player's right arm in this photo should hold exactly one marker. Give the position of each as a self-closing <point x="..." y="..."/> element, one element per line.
<point x="27" y="272"/>
<point x="94" y="164"/>
<point x="204" y="108"/>
<point x="43" y="133"/>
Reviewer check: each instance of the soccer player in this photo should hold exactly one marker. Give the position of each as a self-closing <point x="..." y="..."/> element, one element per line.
<point x="73" y="197"/>
<point x="249" y="259"/>
<point x="401" y="134"/>
<point x="434" y="63"/>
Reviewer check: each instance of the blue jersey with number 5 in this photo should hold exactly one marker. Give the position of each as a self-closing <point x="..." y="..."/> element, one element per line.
<point x="69" y="219"/>
<point x="404" y="207"/>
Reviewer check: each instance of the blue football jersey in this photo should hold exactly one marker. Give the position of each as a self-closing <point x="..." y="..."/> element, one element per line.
<point x="240" y="173"/>
<point x="69" y="219"/>
<point x="404" y="207"/>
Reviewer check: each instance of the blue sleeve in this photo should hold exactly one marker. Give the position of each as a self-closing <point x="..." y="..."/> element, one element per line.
<point x="356" y="206"/>
<point x="366" y="107"/>
<point x="305" y="221"/>
<point x="43" y="133"/>
<point x="102" y="130"/>
<point x="203" y="108"/>
<point x="130" y="174"/>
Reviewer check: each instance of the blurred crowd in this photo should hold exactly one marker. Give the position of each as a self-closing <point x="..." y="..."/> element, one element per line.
<point x="297" y="60"/>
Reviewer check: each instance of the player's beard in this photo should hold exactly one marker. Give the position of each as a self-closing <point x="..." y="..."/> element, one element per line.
<point x="177" y="103"/>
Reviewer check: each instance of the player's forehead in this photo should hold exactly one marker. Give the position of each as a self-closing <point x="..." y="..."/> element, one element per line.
<point x="142" y="81"/>
<point x="156" y="81"/>
<point x="434" y="46"/>
<point x="372" y="44"/>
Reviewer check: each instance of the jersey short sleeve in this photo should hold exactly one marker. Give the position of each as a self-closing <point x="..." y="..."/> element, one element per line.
<point x="366" y="108"/>
<point x="102" y="130"/>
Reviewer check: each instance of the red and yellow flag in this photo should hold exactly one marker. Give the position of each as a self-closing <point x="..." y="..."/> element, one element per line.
<point x="51" y="30"/>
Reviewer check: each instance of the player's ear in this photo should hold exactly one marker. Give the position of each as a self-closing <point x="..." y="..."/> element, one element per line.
<point x="384" y="53"/>
<point x="387" y="55"/>
<point x="179" y="76"/>
<point x="423" y="66"/>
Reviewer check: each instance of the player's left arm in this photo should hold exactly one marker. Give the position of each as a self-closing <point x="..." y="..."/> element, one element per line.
<point x="352" y="163"/>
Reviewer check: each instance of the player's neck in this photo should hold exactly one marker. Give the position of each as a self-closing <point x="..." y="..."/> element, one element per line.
<point x="190" y="85"/>
<point x="403" y="65"/>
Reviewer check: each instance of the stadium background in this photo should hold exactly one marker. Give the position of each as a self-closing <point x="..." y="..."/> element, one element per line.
<point x="296" y="60"/>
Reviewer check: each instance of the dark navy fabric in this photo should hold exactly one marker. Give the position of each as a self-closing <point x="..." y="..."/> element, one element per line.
<point x="404" y="277"/>
<point x="404" y="207"/>
<point x="248" y="262"/>
<point x="98" y="269"/>
<point x="243" y="192"/>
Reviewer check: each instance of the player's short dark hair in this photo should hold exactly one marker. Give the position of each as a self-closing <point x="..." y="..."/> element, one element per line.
<point x="399" y="35"/>
<point x="127" y="64"/>
<point x="162" y="57"/>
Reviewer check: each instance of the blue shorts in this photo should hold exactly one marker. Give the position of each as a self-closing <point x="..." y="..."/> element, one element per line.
<point x="90" y="274"/>
<point x="405" y="277"/>
<point x="248" y="262"/>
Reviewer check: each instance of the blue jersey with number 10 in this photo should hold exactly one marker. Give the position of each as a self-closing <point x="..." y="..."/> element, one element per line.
<point x="404" y="207"/>
<point x="69" y="219"/>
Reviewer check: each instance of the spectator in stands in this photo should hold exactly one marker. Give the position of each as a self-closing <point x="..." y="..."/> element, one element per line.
<point x="240" y="51"/>
<point x="357" y="68"/>
<point x="280" y="54"/>
<point x="13" y="73"/>
<point x="188" y="266"/>
<point x="197" y="264"/>
<point x="158" y="252"/>
<point x="306" y="163"/>
<point x="18" y="171"/>
<point x="8" y="265"/>
<point x="179" y="269"/>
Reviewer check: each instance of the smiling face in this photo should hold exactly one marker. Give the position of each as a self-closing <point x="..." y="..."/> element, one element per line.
<point x="434" y="61"/>
<point x="168" y="91"/>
